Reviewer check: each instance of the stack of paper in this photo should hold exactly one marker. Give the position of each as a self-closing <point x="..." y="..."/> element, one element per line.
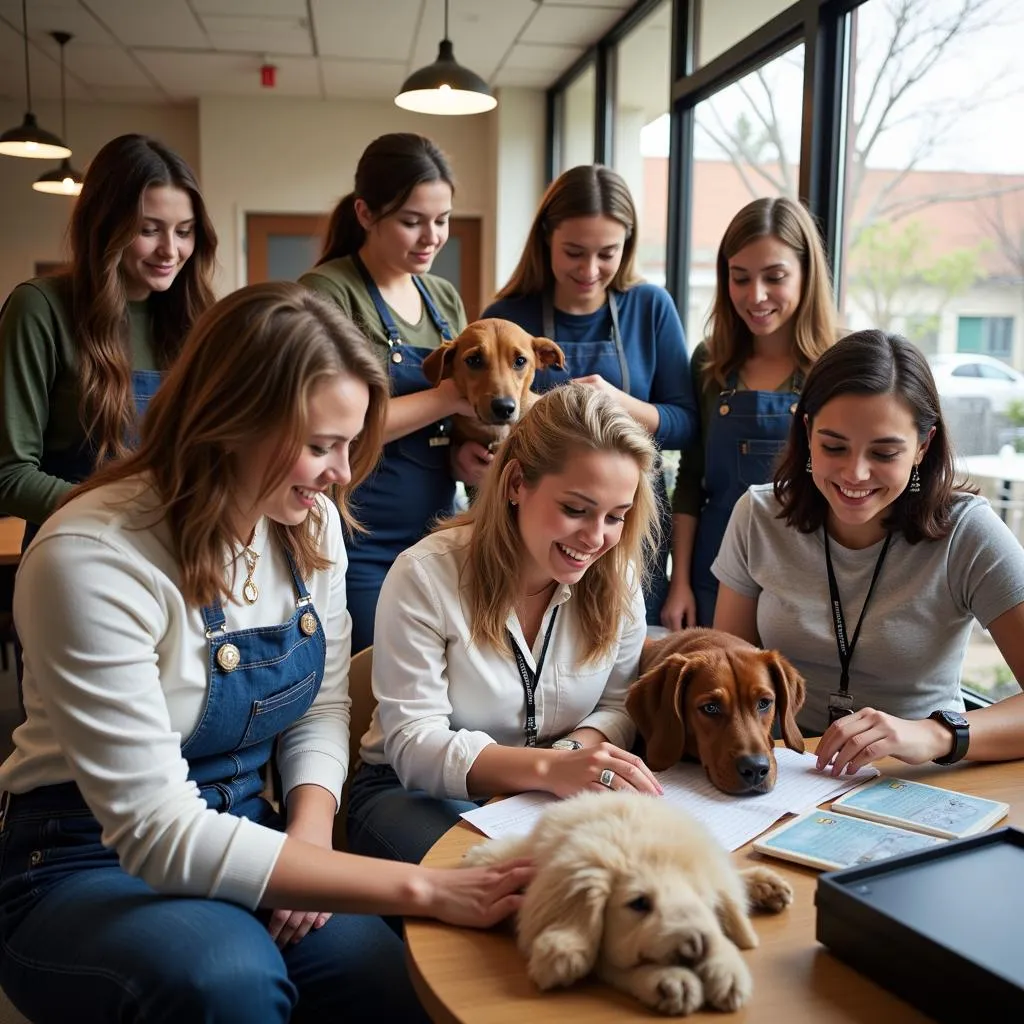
<point x="733" y="820"/>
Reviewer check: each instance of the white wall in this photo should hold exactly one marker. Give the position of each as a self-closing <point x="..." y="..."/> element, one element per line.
<point x="298" y="156"/>
<point x="518" y="174"/>
<point x="34" y="224"/>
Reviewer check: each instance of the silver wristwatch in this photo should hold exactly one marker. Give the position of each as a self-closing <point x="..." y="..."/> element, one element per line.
<point x="567" y="744"/>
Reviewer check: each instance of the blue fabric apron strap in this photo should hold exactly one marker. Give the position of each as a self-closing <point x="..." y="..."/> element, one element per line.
<point x="548" y="321"/>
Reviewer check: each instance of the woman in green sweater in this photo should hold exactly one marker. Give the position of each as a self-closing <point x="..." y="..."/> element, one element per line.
<point x="82" y="352"/>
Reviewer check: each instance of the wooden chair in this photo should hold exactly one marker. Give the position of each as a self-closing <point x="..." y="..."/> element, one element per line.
<point x="363" y="703"/>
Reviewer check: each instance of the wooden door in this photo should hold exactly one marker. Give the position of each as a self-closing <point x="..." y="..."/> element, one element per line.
<point x="282" y="246"/>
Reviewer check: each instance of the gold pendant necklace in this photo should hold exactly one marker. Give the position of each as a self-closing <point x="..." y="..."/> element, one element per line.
<point x="250" y="592"/>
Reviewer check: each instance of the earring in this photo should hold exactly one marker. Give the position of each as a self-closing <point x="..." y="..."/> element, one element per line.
<point x="514" y="504"/>
<point x="808" y="464"/>
<point x="915" y="480"/>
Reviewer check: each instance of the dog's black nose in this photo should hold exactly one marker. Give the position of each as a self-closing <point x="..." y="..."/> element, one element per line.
<point x="753" y="768"/>
<point x="503" y="408"/>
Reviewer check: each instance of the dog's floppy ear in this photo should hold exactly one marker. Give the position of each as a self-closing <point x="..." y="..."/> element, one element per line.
<point x="564" y="903"/>
<point x="548" y="353"/>
<point x="654" y="702"/>
<point x="438" y="364"/>
<point x="790" y="691"/>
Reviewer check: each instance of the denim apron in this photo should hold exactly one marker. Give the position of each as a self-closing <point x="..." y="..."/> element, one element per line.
<point x="746" y="433"/>
<point x="76" y="465"/>
<point x="608" y="358"/>
<point x="412" y="484"/>
<point x="261" y="681"/>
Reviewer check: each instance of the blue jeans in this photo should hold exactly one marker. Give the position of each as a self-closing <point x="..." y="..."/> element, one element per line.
<point x="82" y="940"/>
<point x="387" y="820"/>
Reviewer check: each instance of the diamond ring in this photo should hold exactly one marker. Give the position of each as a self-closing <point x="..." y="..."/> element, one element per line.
<point x="605" y="778"/>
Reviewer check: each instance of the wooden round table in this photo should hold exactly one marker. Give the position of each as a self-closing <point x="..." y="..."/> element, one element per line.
<point x="475" y="977"/>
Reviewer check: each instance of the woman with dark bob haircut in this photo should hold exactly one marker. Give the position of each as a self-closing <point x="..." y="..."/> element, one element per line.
<point x="866" y="563"/>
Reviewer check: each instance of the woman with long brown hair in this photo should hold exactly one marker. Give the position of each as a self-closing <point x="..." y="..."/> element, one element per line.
<point x="576" y="283"/>
<point x="82" y="352"/>
<point x="183" y="615"/>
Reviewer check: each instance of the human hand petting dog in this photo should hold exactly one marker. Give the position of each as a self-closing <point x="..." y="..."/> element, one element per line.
<point x="477" y="897"/>
<point x="574" y="771"/>
<point x="855" y="740"/>
<point x="598" y="383"/>
<point x="455" y="402"/>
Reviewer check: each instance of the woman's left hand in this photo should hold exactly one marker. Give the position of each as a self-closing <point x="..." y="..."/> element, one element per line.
<point x="858" y="739"/>
<point x="291" y="926"/>
<point x="598" y="383"/>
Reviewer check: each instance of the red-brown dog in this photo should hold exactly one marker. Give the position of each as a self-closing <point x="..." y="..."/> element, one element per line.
<point x="492" y="363"/>
<point x="709" y="695"/>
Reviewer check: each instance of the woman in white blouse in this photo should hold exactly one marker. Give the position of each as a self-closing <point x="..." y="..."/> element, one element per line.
<point x="505" y="642"/>
<point x="183" y="615"/>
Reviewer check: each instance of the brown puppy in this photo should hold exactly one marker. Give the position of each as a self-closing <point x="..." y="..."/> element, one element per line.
<point x="709" y="695"/>
<point x="492" y="363"/>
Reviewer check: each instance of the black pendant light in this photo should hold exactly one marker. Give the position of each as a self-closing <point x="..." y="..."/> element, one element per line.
<point x="63" y="180"/>
<point x="445" y="87"/>
<point x="28" y="139"/>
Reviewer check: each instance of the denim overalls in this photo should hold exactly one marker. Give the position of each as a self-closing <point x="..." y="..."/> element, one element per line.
<point x="608" y="358"/>
<point x="746" y="433"/>
<point x="412" y="484"/>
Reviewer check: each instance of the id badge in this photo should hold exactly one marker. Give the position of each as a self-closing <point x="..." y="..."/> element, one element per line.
<point x="441" y="437"/>
<point x="839" y="705"/>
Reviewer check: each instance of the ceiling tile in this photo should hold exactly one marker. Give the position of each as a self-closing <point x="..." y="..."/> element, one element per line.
<point x="270" y="8"/>
<point x="187" y="75"/>
<point x="259" y="35"/>
<point x="543" y="58"/>
<point x="363" y="79"/>
<point x="159" y="23"/>
<point x="570" y="24"/>
<point x="524" y="78"/>
<point x="104" y="66"/>
<point x="381" y="30"/>
<point x="52" y="15"/>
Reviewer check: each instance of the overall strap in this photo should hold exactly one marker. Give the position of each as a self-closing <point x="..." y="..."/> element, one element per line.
<point x="435" y="314"/>
<point x="386" y="319"/>
<point x="548" y="326"/>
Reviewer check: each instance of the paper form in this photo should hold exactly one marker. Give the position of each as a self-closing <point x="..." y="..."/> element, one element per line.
<point x="733" y="820"/>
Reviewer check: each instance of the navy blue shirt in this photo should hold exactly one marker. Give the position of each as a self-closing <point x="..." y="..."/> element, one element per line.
<point x="654" y="346"/>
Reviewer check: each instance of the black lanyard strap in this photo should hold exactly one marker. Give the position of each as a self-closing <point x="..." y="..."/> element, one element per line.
<point x="531" y="678"/>
<point x="844" y="646"/>
<point x="548" y="324"/>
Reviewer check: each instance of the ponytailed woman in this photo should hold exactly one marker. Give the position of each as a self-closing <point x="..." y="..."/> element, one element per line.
<point x="381" y="242"/>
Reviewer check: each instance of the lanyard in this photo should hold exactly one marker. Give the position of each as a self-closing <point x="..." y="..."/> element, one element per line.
<point x="548" y="316"/>
<point x="846" y="647"/>
<point x="531" y="678"/>
<point x="387" y="320"/>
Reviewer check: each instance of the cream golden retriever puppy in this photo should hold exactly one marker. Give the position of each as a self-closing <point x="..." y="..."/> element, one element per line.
<point x="640" y="893"/>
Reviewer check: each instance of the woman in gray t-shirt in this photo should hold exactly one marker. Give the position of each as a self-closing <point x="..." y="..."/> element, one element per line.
<point x="866" y="565"/>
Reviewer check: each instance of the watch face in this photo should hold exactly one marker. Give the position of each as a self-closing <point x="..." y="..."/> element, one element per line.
<point x="955" y="719"/>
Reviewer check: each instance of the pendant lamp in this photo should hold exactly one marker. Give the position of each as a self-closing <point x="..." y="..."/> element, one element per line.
<point x="445" y="87"/>
<point x="28" y="139"/>
<point x="63" y="180"/>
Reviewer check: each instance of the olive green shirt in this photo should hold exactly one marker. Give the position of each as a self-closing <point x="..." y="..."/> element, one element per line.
<point x="340" y="281"/>
<point x="40" y="393"/>
<point x="688" y="496"/>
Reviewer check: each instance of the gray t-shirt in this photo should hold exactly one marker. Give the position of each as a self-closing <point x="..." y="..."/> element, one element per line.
<point x="911" y="650"/>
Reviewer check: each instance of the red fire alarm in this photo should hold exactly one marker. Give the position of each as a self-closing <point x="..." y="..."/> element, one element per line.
<point x="268" y="76"/>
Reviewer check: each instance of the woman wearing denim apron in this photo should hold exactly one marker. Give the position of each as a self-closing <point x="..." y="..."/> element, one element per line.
<point x="84" y="351"/>
<point x="381" y="242"/>
<point x="182" y="616"/>
<point x="575" y="284"/>
<point x="773" y="315"/>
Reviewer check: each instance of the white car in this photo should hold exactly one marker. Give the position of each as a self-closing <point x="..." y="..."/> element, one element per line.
<point x="966" y="375"/>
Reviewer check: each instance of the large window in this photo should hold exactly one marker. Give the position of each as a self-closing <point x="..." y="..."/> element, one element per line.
<point x="746" y="145"/>
<point x="723" y="23"/>
<point x="641" y="132"/>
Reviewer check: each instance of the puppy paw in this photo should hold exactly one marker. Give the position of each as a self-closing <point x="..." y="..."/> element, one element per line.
<point x="766" y="890"/>
<point x="479" y="855"/>
<point x="559" y="958"/>
<point x="673" y="991"/>
<point x="726" y="979"/>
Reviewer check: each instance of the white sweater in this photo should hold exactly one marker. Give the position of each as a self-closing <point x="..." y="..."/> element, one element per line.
<point x="116" y="678"/>
<point x="441" y="698"/>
